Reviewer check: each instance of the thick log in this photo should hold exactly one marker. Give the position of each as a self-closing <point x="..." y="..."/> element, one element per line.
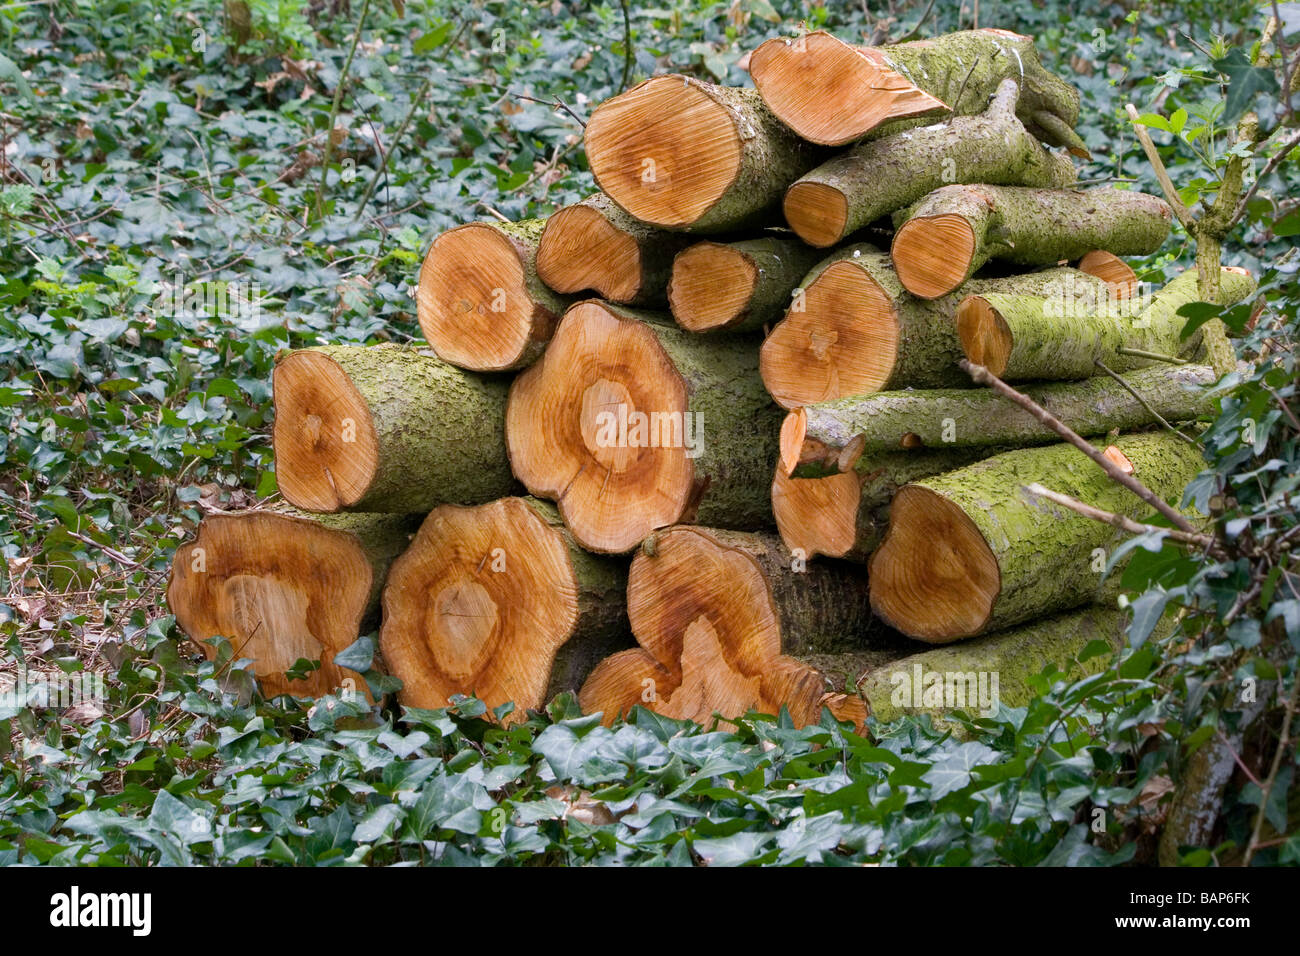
<point x="594" y="245"/>
<point x="1113" y="270"/>
<point x="843" y="514"/>
<point x="715" y="614"/>
<point x="1064" y="334"/>
<point x="480" y="302"/>
<point x="685" y="154"/>
<point x="856" y="330"/>
<point x="950" y="233"/>
<point x="978" y="675"/>
<point x="856" y="187"/>
<point x="739" y="286"/>
<point x="970" y="552"/>
<point x="499" y="601"/>
<point x="386" y="429"/>
<point x="965" y="417"/>
<point x="630" y="424"/>
<point x="832" y="93"/>
<point x="283" y="588"/>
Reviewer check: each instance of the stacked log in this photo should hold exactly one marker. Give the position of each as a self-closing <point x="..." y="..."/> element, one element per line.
<point x="730" y="383"/>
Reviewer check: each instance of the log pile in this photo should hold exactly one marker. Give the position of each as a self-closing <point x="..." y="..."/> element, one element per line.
<point x="708" y="439"/>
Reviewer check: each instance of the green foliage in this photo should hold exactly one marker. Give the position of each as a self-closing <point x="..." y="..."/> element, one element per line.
<point x="144" y="152"/>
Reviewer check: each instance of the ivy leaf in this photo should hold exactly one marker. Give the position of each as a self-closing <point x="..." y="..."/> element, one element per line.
<point x="1245" y="84"/>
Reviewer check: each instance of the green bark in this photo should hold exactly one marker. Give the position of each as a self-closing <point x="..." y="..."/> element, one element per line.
<point x="965" y="68"/>
<point x="957" y="418"/>
<point x="1015" y="656"/>
<point x="440" y="430"/>
<point x="884" y="175"/>
<point x="928" y="348"/>
<point x="1045" y="553"/>
<point x="1063" y="335"/>
<point x="1031" y="226"/>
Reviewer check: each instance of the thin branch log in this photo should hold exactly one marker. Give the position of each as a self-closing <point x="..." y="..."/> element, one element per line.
<point x="1162" y="175"/>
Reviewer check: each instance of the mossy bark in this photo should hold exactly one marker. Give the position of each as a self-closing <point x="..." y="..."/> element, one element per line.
<point x="736" y="422"/>
<point x="961" y="418"/>
<point x="823" y="607"/>
<point x="602" y="628"/>
<point x="928" y="348"/>
<point x="920" y="683"/>
<point x="884" y="175"/>
<point x="1063" y="334"/>
<point x="965" y="68"/>
<point x="1031" y="226"/>
<point x="1045" y="554"/>
<point x="440" y="430"/>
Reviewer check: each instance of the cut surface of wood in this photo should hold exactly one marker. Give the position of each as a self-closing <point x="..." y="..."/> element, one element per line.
<point x="711" y="286"/>
<point x="280" y="589"/>
<point x="969" y="551"/>
<point x="1112" y="270"/>
<point x="628" y="423"/>
<point x="485" y="598"/>
<point x="384" y="428"/>
<point x="681" y="153"/>
<point x="705" y="616"/>
<point x="479" y="300"/>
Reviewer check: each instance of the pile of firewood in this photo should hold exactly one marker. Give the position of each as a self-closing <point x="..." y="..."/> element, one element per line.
<point x="668" y="359"/>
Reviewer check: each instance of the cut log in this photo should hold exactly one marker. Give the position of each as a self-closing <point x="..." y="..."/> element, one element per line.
<point x="970" y="552"/>
<point x="874" y="179"/>
<point x="950" y="233"/>
<point x="1063" y="334"/>
<point x="632" y="424"/>
<point x="283" y="588"/>
<point x="498" y="601"/>
<point x="844" y="514"/>
<point x="386" y="429"/>
<point x="964" y="417"/>
<point x="859" y="331"/>
<point x="684" y="154"/>
<point x="712" y="612"/>
<point x="480" y="302"/>
<point x="832" y="93"/>
<point x="1112" y="270"/>
<point x="738" y="286"/>
<point x="596" y="246"/>
<point x="996" y="669"/>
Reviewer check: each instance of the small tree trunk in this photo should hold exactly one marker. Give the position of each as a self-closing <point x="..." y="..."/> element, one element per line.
<point x="684" y="154"/>
<point x="970" y="552"/>
<point x="832" y="93"/>
<point x="1064" y="335"/>
<point x="283" y="588"/>
<point x="632" y="424"/>
<point x="596" y="246"/>
<point x="480" y="302"/>
<point x="950" y="233"/>
<point x="386" y="429"/>
<point x="712" y="612"/>
<point x="964" y="417"/>
<point x="855" y="188"/>
<point x="856" y="330"/>
<point x="499" y="601"/>
<point x="739" y="286"/>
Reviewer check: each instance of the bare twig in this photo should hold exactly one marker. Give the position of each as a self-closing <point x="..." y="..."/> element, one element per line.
<point x="627" y="48"/>
<point x="1266" y="789"/>
<point x="1142" y="401"/>
<point x="334" y="106"/>
<point x="1123" y="522"/>
<point x="982" y="376"/>
<point x="1154" y="356"/>
<point x="556" y="102"/>
<point x="397" y="138"/>
<point x="1162" y="175"/>
<point x="1273" y="162"/>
